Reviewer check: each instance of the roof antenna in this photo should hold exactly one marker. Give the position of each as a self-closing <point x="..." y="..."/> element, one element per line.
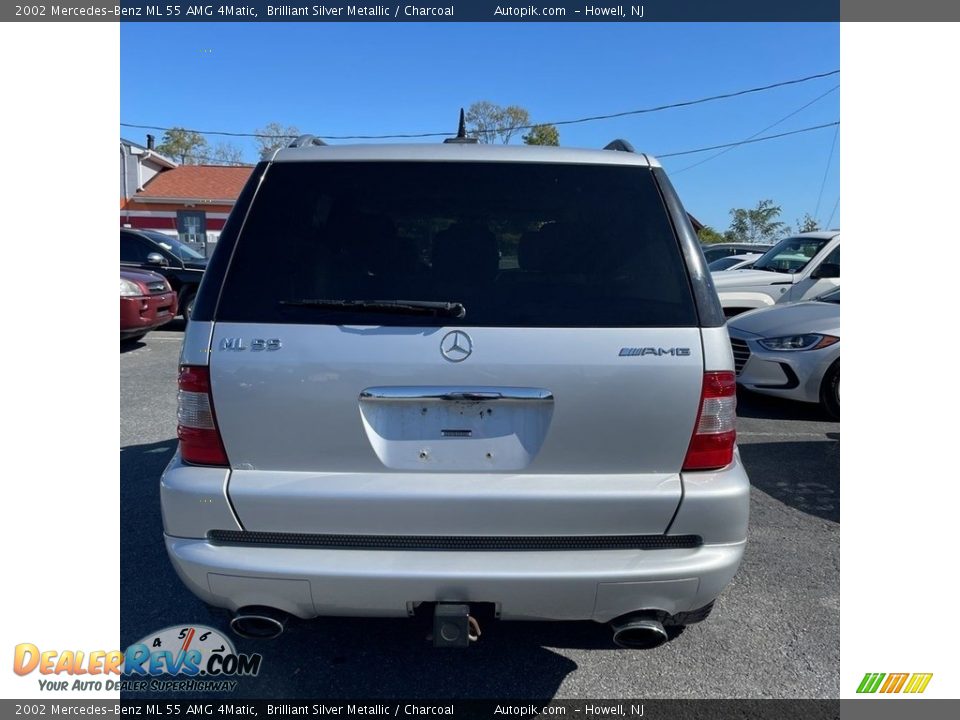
<point x="462" y="132"/>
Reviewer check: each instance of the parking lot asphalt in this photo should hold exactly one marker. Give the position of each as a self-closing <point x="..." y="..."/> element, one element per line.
<point x="774" y="633"/>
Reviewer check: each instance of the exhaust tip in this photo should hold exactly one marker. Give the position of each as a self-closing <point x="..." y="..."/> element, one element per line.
<point x="258" y="623"/>
<point x="639" y="633"/>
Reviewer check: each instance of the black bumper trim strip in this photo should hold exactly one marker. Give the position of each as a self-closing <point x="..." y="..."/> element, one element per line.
<point x="454" y="543"/>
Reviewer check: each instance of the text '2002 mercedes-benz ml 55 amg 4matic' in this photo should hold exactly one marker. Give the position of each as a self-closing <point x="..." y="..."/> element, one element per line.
<point x="424" y="378"/>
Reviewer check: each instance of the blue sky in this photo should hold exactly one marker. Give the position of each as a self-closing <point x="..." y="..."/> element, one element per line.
<point x="373" y="78"/>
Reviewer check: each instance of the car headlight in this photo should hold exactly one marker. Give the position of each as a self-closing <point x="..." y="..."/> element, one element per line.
<point x="810" y="341"/>
<point x="129" y="289"/>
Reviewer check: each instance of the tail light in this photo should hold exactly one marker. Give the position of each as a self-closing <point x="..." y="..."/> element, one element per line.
<point x="200" y="441"/>
<point x="715" y="433"/>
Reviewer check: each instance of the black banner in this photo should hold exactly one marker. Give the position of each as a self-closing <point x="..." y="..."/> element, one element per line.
<point x="408" y="709"/>
<point x="427" y="11"/>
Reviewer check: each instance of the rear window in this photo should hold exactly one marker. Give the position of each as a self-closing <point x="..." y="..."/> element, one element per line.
<point x="518" y="245"/>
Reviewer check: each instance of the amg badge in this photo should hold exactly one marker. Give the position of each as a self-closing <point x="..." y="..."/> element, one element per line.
<point x="658" y="351"/>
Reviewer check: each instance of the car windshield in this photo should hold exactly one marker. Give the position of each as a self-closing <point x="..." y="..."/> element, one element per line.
<point x="831" y="297"/>
<point x="725" y="263"/>
<point x="790" y="255"/>
<point x="715" y="253"/>
<point x="171" y="244"/>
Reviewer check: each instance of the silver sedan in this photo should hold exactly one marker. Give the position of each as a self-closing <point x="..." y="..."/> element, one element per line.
<point x="791" y="351"/>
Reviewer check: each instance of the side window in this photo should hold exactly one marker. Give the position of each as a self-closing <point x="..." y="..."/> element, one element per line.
<point x="132" y="249"/>
<point x="830" y="267"/>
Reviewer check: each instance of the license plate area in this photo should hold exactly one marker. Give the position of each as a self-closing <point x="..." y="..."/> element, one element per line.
<point x="456" y="429"/>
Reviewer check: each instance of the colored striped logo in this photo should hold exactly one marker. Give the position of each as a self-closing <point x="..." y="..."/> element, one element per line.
<point x="894" y="682"/>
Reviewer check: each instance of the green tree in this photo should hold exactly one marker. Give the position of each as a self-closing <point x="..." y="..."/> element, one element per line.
<point x="185" y="146"/>
<point x="514" y="117"/>
<point x="807" y="223"/>
<point x="758" y="225"/>
<point x="542" y="135"/>
<point x="708" y="235"/>
<point x="226" y="154"/>
<point x="490" y="122"/>
<point x="273" y="136"/>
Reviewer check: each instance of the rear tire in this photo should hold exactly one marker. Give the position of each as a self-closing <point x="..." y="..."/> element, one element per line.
<point x="830" y="391"/>
<point x="186" y="304"/>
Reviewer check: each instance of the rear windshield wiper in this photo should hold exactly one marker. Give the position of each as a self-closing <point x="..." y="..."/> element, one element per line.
<point x="393" y="307"/>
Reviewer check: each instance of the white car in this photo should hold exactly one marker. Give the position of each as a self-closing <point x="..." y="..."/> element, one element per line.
<point x="733" y="262"/>
<point x="797" y="268"/>
<point x="791" y="351"/>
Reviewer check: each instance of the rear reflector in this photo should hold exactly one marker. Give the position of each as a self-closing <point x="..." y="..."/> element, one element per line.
<point x="715" y="433"/>
<point x="200" y="442"/>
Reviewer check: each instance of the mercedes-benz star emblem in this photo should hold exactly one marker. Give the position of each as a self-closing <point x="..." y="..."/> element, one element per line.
<point x="456" y="346"/>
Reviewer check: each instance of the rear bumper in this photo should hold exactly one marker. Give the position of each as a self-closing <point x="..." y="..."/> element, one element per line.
<point x="582" y="585"/>
<point x="524" y="584"/>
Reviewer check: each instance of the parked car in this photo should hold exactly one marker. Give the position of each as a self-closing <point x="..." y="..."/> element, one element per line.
<point x="179" y="263"/>
<point x="791" y="351"/>
<point x="722" y="250"/>
<point x="733" y="262"/>
<point x="796" y="268"/>
<point x="146" y="302"/>
<point x="404" y="389"/>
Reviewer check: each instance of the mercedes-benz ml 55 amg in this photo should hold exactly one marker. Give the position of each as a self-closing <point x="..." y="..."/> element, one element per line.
<point x="430" y="378"/>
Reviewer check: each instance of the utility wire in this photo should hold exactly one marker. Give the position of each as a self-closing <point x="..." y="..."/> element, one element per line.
<point x="658" y="155"/>
<point x="826" y="170"/>
<point x="747" y="142"/>
<point x="591" y="118"/>
<point x="768" y="127"/>
<point x="833" y="212"/>
<point x="209" y="160"/>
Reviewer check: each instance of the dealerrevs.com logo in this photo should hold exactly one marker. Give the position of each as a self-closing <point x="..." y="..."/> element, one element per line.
<point x="187" y="658"/>
<point x="911" y="683"/>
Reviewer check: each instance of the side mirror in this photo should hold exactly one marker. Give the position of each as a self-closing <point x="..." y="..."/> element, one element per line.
<point x="156" y="259"/>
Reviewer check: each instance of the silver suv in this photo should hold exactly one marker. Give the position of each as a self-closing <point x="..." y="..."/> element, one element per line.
<point x="457" y="379"/>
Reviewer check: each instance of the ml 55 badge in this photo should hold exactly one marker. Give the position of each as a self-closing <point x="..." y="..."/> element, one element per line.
<point x="256" y="344"/>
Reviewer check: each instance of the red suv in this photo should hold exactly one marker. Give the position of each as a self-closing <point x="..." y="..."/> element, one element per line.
<point x="146" y="302"/>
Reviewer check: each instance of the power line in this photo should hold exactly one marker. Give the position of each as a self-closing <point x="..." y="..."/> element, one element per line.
<point x="591" y="118"/>
<point x="686" y="103"/>
<point x="833" y="212"/>
<point x="826" y="170"/>
<point x="658" y="155"/>
<point x="758" y="132"/>
<point x="747" y="142"/>
<point x="210" y="160"/>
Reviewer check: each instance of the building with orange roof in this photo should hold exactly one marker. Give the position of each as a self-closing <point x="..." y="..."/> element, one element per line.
<point x="188" y="201"/>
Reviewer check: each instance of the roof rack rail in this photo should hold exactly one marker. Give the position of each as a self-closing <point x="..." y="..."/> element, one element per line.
<point x="619" y="144"/>
<point x="306" y="140"/>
